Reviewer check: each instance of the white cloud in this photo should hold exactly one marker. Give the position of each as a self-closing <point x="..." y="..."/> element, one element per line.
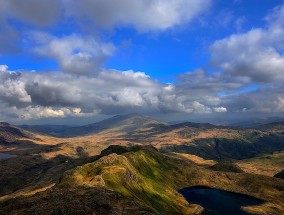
<point x="275" y="17"/>
<point x="108" y="92"/>
<point x="12" y="89"/>
<point x="263" y="100"/>
<point x="38" y="95"/>
<point x="3" y="68"/>
<point x="39" y="112"/>
<point x="197" y="107"/>
<point x="279" y="104"/>
<point x="75" y="54"/>
<point x="142" y="15"/>
<point x="84" y="88"/>
<point x="39" y="12"/>
<point x="220" y="109"/>
<point x="257" y="54"/>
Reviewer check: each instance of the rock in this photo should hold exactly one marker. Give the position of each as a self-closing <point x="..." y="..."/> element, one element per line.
<point x="226" y="167"/>
<point x="280" y="174"/>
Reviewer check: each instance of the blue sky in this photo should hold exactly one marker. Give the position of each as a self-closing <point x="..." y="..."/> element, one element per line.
<point x="189" y="59"/>
<point x="184" y="49"/>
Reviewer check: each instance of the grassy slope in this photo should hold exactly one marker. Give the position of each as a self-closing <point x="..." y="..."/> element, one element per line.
<point x="152" y="179"/>
<point x="213" y="143"/>
<point x="266" y="164"/>
<point x="140" y="175"/>
<point x="193" y="158"/>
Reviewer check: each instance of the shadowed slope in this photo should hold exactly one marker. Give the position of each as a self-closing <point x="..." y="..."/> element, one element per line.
<point x="11" y="133"/>
<point x="152" y="179"/>
<point x="149" y="178"/>
<point x="73" y="201"/>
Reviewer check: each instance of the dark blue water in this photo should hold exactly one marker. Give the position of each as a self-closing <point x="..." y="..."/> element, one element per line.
<point x="218" y="202"/>
<point x="6" y="155"/>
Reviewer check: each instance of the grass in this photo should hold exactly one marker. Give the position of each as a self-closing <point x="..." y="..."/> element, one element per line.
<point x="265" y="164"/>
<point x="139" y="175"/>
<point x="152" y="179"/>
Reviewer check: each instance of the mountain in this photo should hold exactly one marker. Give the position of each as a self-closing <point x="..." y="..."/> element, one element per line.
<point x="85" y="173"/>
<point x="226" y="167"/>
<point x="117" y="124"/>
<point x="141" y="180"/>
<point x="204" y="140"/>
<point x="273" y="126"/>
<point x="45" y="129"/>
<point x="74" y="201"/>
<point x="9" y="133"/>
<point x="208" y="141"/>
<point x="213" y="142"/>
<point x="265" y="164"/>
<point x="254" y="122"/>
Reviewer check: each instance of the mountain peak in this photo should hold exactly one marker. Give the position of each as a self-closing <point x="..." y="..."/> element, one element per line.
<point x="128" y="116"/>
<point x="4" y="124"/>
<point x="133" y="115"/>
<point x="116" y="124"/>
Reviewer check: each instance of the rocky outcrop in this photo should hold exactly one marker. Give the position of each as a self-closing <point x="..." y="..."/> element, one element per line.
<point x="9" y="133"/>
<point x="226" y="167"/>
<point x="280" y="174"/>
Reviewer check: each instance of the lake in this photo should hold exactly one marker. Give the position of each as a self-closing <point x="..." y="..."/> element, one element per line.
<point x="218" y="202"/>
<point x="6" y="155"/>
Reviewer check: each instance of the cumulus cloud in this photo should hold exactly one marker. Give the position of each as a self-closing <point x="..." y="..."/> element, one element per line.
<point x="250" y="77"/>
<point x="12" y="89"/>
<point x="88" y="16"/>
<point x="263" y="100"/>
<point x="39" y="12"/>
<point x="257" y="54"/>
<point x="200" y="81"/>
<point x="53" y="94"/>
<point x="9" y="38"/>
<point x="142" y="15"/>
<point x="39" y="112"/>
<point x="75" y="54"/>
<point x="34" y="95"/>
<point x="83" y="88"/>
<point x="220" y="109"/>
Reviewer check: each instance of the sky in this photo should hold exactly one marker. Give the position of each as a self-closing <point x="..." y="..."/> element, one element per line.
<point x="73" y="62"/>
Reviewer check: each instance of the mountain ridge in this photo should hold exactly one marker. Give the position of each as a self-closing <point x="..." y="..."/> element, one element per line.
<point x="123" y="123"/>
<point x="9" y="133"/>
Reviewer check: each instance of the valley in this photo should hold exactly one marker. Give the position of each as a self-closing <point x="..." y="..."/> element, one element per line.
<point x="138" y="163"/>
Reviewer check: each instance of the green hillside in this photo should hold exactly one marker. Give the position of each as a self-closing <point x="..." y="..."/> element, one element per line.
<point x="152" y="179"/>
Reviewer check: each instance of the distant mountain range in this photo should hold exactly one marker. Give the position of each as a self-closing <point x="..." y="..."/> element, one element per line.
<point x="120" y="123"/>
<point x="131" y="122"/>
<point x="257" y="122"/>
<point x="135" y="164"/>
<point x="246" y="123"/>
<point x="202" y="139"/>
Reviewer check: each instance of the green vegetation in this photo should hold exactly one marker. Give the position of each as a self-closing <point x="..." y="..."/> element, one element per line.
<point x="152" y="179"/>
<point x="226" y="167"/>
<point x="139" y="174"/>
<point x="266" y="164"/>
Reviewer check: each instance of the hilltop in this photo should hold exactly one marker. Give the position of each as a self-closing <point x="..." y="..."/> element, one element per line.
<point x="149" y="178"/>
